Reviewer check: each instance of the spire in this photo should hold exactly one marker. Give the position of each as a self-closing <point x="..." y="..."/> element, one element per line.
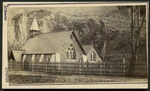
<point x="34" y="25"/>
<point x="34" y="29"/>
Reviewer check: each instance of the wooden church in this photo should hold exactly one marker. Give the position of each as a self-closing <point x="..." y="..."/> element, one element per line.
<point x="54" y="47"/>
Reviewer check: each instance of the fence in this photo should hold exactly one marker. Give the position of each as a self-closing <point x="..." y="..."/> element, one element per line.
<point x="105" y="68"/>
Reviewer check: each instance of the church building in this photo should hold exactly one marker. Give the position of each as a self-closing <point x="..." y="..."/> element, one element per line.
<point x="56" y="47"/>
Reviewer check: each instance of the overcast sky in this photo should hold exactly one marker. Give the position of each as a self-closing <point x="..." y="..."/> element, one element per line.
<point x="68" y="10"/>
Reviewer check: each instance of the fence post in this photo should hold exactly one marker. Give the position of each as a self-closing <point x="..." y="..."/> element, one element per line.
<point x="31" y="65"/>
<point x="11" y="63"/>
<point x="62" y="67"/>
<point x="46" y="66"/>
<point x="21" y="64"/>
<point x="124" y="67"/>
<point x="80" y="65"/>
<point x="99" y="67"/>
<point x="103" y="68"/>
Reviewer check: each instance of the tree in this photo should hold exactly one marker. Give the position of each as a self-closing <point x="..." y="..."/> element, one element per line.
<point x="136" y="26"/>
<point x="137" y="18"/>
<point x="23" y="29"/>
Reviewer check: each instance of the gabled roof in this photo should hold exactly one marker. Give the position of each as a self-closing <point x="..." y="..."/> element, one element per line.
<point x="47" y="43"/>
<point x="87" y="48"/>
<point x="34" y="25"/>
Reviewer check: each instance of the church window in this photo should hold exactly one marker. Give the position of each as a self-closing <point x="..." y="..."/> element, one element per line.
<point x="93" y="56"/>
<point x="71" y="52"/>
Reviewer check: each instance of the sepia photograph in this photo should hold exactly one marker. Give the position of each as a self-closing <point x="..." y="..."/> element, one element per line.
<point x="75" y="45"/>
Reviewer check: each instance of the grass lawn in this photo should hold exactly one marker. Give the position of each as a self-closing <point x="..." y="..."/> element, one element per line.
<point x="24" y="77"/>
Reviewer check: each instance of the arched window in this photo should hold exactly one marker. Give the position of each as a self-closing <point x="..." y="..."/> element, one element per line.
<point x="93" y="56"/>
<point x="74" y="54"/>
<point x="71" y="53"/>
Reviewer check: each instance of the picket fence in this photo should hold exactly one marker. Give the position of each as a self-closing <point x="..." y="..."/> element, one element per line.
<point x="65" y="68"/>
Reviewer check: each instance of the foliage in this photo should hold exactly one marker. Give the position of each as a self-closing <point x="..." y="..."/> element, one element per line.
<point x="109" y="33"/>
<point x="137" y="17"/>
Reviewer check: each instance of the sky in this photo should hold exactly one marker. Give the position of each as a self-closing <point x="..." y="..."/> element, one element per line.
<point x="85" y="10"/>
<point x="71" y="10"/>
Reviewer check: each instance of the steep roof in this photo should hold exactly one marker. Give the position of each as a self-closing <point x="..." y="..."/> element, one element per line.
<point x="45" y="43"/>
<point x="34" y="25"/>
<point x="87" y="48"/>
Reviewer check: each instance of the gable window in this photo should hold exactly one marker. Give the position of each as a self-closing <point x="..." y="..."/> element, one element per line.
<point x="93" y="56"/>
<point x="71" y="53"/>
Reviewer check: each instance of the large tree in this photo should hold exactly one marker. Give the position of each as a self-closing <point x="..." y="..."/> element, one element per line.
<point x="137" y="19"/>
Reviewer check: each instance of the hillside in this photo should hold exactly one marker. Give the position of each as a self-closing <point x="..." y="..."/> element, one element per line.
<point x="112" y="26"/>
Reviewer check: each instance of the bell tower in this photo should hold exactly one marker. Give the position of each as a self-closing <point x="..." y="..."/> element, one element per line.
<point x="34" y="29"/>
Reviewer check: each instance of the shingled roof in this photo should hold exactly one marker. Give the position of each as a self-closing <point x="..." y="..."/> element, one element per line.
<point x="47" y="43"/>
<point x="87" y="48"/>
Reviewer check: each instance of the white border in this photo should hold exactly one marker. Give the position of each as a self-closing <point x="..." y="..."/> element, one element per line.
<point x="66" y="4"/>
